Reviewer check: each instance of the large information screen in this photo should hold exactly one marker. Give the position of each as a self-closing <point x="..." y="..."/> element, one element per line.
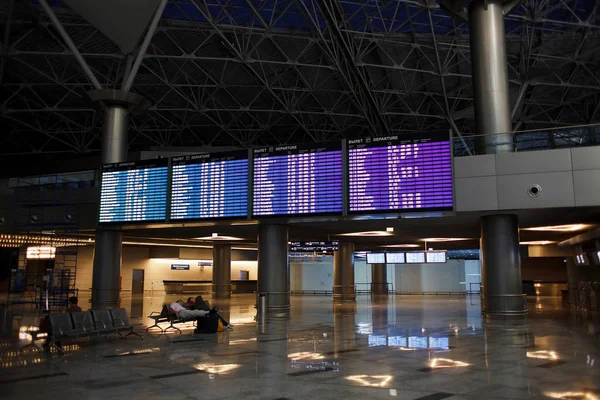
<point x="294" y="180"/>
<point x="134" y="191"/>
<point x="210" y="186"/>
<point x="400" y="173"/>
<point x="324" y="247"/>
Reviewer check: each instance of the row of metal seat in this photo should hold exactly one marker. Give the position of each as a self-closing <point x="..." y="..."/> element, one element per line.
<point x="90" y="323"/>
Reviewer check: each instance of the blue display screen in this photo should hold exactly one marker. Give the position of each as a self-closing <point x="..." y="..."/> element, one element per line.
<point x="134" y="191"/>
<point x="210" y="186"/>
<point x="440" y="343"/>
<point x="298" y="179"/>
<point x="417" y="342"/>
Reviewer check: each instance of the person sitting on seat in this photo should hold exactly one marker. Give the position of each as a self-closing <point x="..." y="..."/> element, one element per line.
<point x="184" y="314"/>
<point x="73" y="307"/>
<point x="201" y="304"/>
<point x="191" y="304"/>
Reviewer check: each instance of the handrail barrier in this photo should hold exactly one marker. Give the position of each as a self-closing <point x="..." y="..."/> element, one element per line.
<point x="532" y="140"/>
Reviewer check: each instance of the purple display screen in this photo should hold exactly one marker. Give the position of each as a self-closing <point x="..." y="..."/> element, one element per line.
<point x="298" y="179"/>
<point x="400" y="173"/>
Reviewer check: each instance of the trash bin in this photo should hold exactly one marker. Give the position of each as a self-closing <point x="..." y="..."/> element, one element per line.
<point x="262" y="304"/>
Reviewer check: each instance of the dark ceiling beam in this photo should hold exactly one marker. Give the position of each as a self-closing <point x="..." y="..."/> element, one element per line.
<point x="344" y="54"/>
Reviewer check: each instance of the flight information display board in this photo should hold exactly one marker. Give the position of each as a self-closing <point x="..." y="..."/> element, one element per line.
<point x="375" y="258"/>
<point x="325" y="247"/>
<point x="134" y="191"/>
<point x="210" y="186"/>
<point x="298" y="180"/>
<point x="394" y="258"/>
<point x="400" y="173"/>
<point x="436" y="257"/>
<point x="415" y="258"/>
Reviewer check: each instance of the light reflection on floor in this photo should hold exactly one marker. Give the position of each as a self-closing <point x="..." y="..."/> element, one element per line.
<point x="402" y="346"/>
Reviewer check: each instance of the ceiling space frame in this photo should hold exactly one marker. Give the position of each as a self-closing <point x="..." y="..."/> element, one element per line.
<point x="343" y="53"/>
<point x="232" y="48"/>
<point x="442" y="81"/>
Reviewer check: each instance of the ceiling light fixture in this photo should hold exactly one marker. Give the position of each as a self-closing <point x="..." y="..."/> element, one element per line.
<point x="167" y="245"/>
<point x="444" y="239"/>
<point x="367" y="233"/>
<point x="403" y="245"/>
<point x="559" y="228"/>
<point x="389" y="229"/>
<point x="215" y="237"/>
<point x="536" y="243"/>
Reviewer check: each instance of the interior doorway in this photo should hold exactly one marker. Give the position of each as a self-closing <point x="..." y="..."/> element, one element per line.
<point x="137" y="282"/>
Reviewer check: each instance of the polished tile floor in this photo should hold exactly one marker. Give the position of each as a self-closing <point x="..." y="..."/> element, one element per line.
<point x="405" y="347"/>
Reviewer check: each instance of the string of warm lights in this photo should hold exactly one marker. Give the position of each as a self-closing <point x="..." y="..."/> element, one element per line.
<point x="18" y="240"/>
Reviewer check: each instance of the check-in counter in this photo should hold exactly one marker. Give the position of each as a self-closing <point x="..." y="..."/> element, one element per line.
<point x="205" y="287"/>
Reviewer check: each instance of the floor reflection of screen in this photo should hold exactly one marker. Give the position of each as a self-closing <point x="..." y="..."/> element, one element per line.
<point x="377" y="340"/>
<point x="397" y="341"/>
<point x="440" y="343"/>
<point x="417" y="342"/>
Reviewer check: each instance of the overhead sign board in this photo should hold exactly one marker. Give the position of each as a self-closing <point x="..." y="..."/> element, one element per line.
<point x="321" y="247"/>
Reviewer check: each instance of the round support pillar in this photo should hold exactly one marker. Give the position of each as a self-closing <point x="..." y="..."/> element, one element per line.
<point x="343" y="273"/>
<point x="489" y="67"/>
<point x="114" y="135"/>
<point x="109" y="243"/>
<point x="221" y="281"/>
<point x="273" y="266"/>
<point x="379" y="279"/>
<point x="107" y="269"/>
<point x="501" y="266"/>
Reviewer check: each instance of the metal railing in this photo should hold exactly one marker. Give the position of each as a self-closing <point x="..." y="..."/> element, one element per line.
<point x="312" y="292"/>
<point x="478" y="288"/>
<point x="430" y="293"/>
<point x="367" y="287"/>
<point x="532" y="140"/>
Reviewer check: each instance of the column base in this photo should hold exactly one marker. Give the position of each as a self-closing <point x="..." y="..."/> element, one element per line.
<point x="503" y="316"/>
<point x="344" y="293"/>
<point x="221" y="291"/>
<point x="379" y="289"/>
<point x="504" y="305"/>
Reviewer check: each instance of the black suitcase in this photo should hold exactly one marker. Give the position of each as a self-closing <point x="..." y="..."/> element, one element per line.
<point x="207" y="324"/>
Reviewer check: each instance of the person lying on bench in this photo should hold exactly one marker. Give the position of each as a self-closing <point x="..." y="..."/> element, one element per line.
<point x="184" y="314"/>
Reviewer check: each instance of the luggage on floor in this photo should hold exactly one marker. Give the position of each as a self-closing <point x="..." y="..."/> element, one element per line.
<point x="207" y="324"/>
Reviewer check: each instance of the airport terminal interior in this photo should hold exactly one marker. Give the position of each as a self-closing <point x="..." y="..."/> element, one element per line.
<point x="328" y="199"/>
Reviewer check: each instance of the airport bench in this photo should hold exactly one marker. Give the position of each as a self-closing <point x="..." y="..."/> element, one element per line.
<point x="121" y="322"/>
<point x="165" y="315"/>
<point x="89" y="323"/>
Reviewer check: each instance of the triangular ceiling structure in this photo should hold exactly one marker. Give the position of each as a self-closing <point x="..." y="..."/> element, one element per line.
<point x="123" y="22"/>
